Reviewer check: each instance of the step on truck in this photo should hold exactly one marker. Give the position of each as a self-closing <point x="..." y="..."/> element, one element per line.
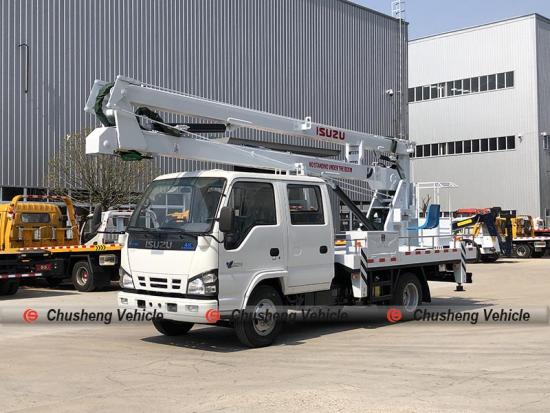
<point x="202" y="245"/>
<point x="42" y="231"/>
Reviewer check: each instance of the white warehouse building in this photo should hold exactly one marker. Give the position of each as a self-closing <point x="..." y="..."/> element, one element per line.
<point x="479" y="108"/>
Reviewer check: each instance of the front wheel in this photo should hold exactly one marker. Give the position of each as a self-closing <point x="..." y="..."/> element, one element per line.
<point x="171" y="327"/>
<point x="260" y="327"/>
<point x="408" y="292"/>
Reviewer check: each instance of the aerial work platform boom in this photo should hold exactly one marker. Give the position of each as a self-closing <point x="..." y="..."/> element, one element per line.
<point x="130" y="138"/>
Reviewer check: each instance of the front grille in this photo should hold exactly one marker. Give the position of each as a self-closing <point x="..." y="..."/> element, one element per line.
<point x="159" y="282"/>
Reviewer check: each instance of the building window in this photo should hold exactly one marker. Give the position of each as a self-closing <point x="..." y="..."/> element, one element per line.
<point x="433" y="89"/>
<point x="545" y="142"/>
<point x="466" y="86"/>
<point x="501" y="81"/>
<point x="502" y="143"/>
<point x="426" y="150"/>
<point x="511" y="142"/>
<point x="475" y="84"/>
<point x="484" y="144"/>
<point x="451" y="148"/>
<point x="495" y="81"/>
<point x="483" y="83"/>
<point x="411" y="94"/>
<point x="467" y="146"/>
<point x="418" y="93"/>
<point x="492" y="82"/>
<point x="450" y="88"/>
<point x="442" y="90"/>
<point x="509" y="79"/>
<point x="426" y="93"/>
<point x="458" y="87"/>
<point x="458" y="147"/>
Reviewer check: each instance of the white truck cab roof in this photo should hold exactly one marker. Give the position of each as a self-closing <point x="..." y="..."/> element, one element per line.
<point x="231" y="175"/>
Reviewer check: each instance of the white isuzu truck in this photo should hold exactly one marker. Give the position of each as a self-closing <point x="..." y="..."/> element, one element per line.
<point x="201" y="245"/>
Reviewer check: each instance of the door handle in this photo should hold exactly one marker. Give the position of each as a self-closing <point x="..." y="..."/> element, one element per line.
<point x="274" y="252"/>
<point x="323" y="249"/>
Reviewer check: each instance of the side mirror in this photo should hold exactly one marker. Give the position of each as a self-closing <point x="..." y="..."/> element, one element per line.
<point x="227" y="220"/>
<point x="96" y="218"/>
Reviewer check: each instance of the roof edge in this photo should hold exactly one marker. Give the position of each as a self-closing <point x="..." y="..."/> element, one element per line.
<point x="379" y="13"/>
<point x="478" y="26"/>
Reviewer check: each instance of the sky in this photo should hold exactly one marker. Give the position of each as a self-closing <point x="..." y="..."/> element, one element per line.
<point x="427" y="17"/>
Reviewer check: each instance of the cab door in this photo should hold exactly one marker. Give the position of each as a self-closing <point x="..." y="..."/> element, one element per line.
<point x="310" y="237"/>
<point x="256" y="246"/>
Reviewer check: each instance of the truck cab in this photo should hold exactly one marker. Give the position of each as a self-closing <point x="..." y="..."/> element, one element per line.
<point x="112" y="227"/>
<point x="280" y="232"/>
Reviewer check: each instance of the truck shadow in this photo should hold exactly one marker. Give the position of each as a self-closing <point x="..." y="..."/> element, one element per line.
<point x="25" y="292"/>
<point x="224" y="340"/>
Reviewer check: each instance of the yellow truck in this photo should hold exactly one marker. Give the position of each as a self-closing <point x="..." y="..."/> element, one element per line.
<point x="41" y="238"/>
<point x="526" y="242"/>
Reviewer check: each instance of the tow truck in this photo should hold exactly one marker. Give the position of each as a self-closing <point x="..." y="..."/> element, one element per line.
<point x="201" y="246"/>
<point x="40" y="236"/>
<point x="479" y="227"/>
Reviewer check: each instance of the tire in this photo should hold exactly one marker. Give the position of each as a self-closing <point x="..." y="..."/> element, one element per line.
<point x="407" y="292"/>
<point x="522" y="251"/>
<point x="83" y="277"/>
<point x="257" y="333"/>
<point x="171" y="327"/>
<point x="8" y="287"/>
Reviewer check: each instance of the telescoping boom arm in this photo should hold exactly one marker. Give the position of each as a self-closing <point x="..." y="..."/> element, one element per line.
<point x="130" y="102"/>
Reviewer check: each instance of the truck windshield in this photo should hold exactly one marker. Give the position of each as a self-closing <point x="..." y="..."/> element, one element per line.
<point x="181" y="204"/>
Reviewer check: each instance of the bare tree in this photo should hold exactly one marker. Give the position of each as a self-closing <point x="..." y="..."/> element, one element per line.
<point x="103" y="179"/>
<point x="425" y="203"/>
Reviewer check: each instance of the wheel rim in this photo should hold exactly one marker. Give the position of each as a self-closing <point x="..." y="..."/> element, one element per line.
<point x="264" y="325"/>
<point x="82" y="276"/>
<point x="522" y="251"/>
<point x="410" y="297"/>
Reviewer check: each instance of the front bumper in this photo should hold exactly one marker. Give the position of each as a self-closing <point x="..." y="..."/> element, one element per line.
<point x="179" y="309"/>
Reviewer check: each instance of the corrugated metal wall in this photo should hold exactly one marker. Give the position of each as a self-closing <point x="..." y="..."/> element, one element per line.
<point x="328" y="59"/>
<point x="509" y="179"/>
<point x="543" y="80"/>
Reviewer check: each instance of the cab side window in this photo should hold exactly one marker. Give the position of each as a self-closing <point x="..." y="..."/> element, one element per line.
<point x="305" y="204"/>
<point x="254" y="205"/>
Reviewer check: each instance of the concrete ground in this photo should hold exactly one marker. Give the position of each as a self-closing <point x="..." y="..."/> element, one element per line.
<point x="403" y="367"/>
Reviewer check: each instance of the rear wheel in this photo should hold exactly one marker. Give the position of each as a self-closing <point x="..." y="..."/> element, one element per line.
<point x="171" y="327"/>
<point x="522" y="251"/>
<point x="262" y="326"/>
<point x="408" y="292"/>
<point x="83" y="277"/>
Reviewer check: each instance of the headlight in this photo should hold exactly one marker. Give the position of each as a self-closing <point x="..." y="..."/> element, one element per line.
<point x="126" y="280"/>
<point x="203" y="284"/>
